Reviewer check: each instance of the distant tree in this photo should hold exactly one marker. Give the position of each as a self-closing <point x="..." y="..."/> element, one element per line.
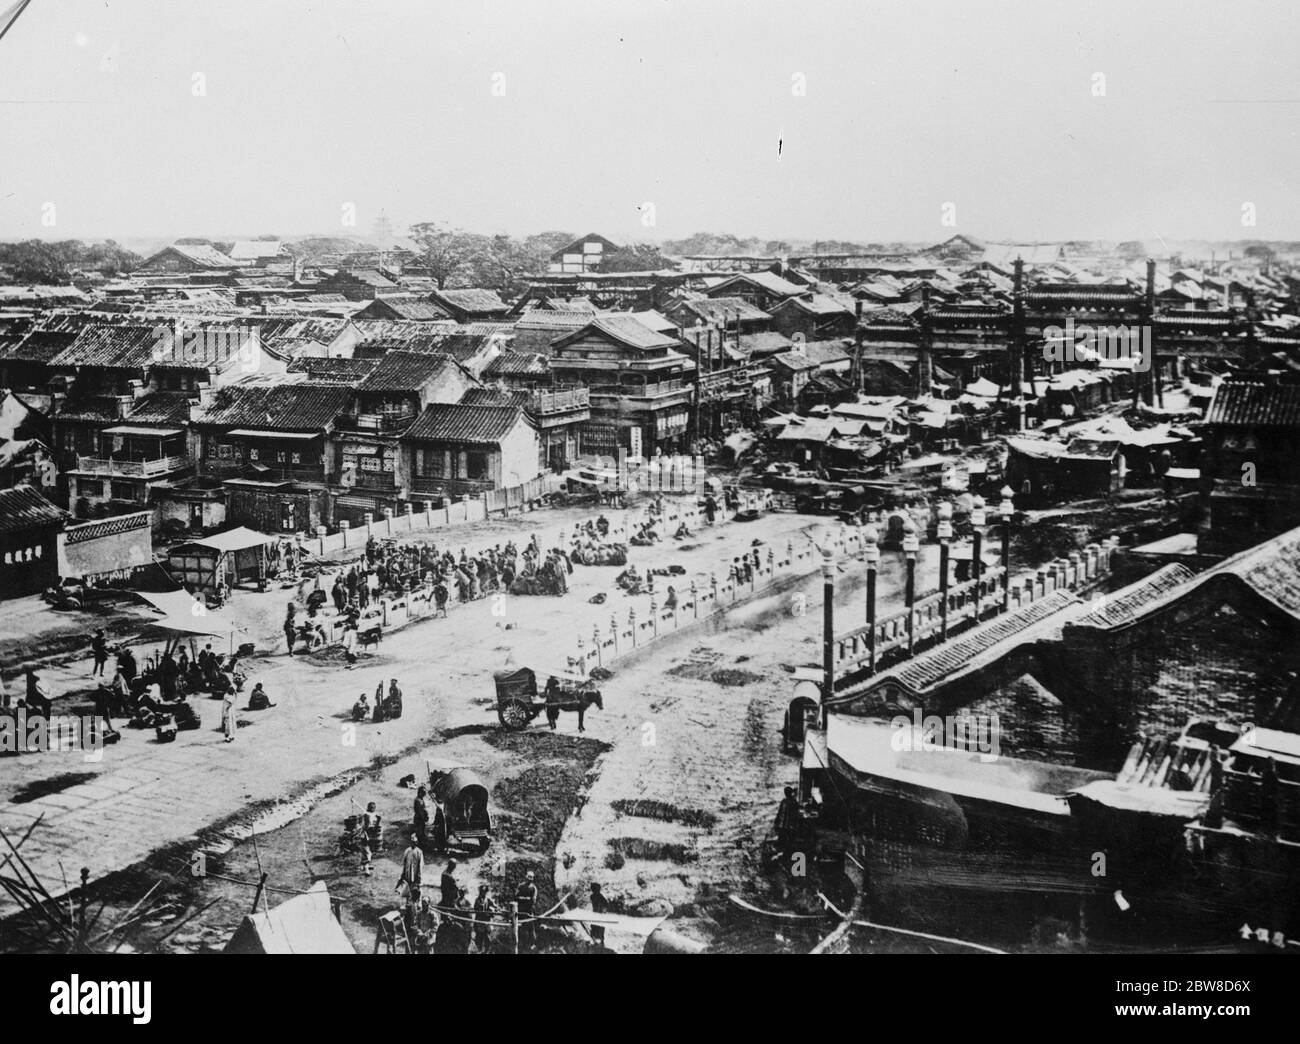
<point x="447" y="252"/>
<point x="109" y="258"/>
<point x="36" y="261"/>
<point x="1261" y="251"/>
<point x="636" y="258"/>
<point x="712" y="243"/>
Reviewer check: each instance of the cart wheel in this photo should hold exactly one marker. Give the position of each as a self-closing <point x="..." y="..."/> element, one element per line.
<point x="514" y="714"/>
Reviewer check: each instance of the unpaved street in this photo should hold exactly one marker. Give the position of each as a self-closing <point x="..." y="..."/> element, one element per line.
<point x="144" y="797"/>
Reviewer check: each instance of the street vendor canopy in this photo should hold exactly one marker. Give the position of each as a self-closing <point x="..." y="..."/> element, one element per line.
<point x="140" y="429"/>
<point x="265" y="433"/>
<point x="184" y="614"/>
<point x="240" y="539"/>
<point x="983" y="387"/>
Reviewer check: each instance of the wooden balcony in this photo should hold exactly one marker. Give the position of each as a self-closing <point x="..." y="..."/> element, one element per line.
<point x="545" y="403"/>
<point x="133" y="468"/>
<point x="377" y="423"/>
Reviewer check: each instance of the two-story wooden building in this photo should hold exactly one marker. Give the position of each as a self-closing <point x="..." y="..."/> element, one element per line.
<point x="372" y="473"/>
<point x="145" y="449"/>
<point x="269" y="444"/>
<point x="461" y="449"/>
<point x="641" y="387"/>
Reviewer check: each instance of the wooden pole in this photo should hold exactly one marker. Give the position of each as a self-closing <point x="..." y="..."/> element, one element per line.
<point x="943" y="590"/>
<point x="514" y="927"/>
<point x="261" y="884"/>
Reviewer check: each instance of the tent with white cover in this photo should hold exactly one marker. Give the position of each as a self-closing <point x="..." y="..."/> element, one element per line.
<point x="302" y="924"/>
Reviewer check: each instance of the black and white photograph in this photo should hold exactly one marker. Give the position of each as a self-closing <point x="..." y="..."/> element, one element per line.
<point x="650" y="477"/>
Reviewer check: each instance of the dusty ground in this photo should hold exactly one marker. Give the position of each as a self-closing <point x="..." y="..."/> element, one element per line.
<point x="664" y="801"/>
<point x="151" y="806"/>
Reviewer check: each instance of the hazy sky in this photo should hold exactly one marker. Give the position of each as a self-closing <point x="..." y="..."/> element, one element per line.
<point x="527" y="115"/>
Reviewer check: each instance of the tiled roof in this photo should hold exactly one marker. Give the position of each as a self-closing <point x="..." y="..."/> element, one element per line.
<point x="769" y="281"/>
<point x="1126" y="605"/>
<point x="39" y="346"/>
<point x="1081" y="292"/>
<point x="570" y="304"/>
<point x="388" y="329"/>
<point x="817" y="304"/>
<point x="825" y="352"/>
<point x="626" y="330"/>
<point x="405" y="371"/>
<point x="766" y="342"/>
<point x="412" y="309"/>
<point x="472" y="301"/>
<point x="888" y="317"/>
<point x="493" y="397"/>
<point x="201" y="346"/>
<point x="528" y="364"/>
<point x="552" y="319"/>
<point x="93" y="408"/>
<point x="484" y="425"/>
<point x="282" y="407"/>
<point x="112" y="346"/>
<point x="162" y="408"/>
<point x="1270" y="571"/>
<point x="367" y="276"/>
<point x="714" y="309"/>
<point x="333" y="371"/>
<point x="794" y="361"/>
<point x="982" y="644"/>
<point x="23" y="507"/>
<point x="201" y="254"/>
<point x="1255" y="404"/>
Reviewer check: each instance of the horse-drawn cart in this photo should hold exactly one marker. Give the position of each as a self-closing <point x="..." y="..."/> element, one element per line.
<point x="519" y="702"/>
<point x="464" y="799"/>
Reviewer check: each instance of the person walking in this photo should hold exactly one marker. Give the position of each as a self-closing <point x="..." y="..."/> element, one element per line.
<point x="372" y="833"/>
<point x="99" y="650"/>
<point x="787" y="823"/>
<point x="290" y="626"/>
<point x="421" y="816"/>
<point x="412" y="873"/>
<point x="526" y="900"/>
<point x="599" y="905"/>
<point x="484" y="908"/>
<point x="229" y="722"/>
<point x="450" y="889"/>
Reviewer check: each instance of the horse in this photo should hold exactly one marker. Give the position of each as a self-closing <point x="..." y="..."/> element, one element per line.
<point x="576" y="701"/>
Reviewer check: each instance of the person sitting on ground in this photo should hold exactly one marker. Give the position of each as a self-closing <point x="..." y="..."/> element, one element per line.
<point x="258" y="699"/>
<point x="38" y="696"/>
<point x="361" y="709"/>
<point x="119" y="694"/>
